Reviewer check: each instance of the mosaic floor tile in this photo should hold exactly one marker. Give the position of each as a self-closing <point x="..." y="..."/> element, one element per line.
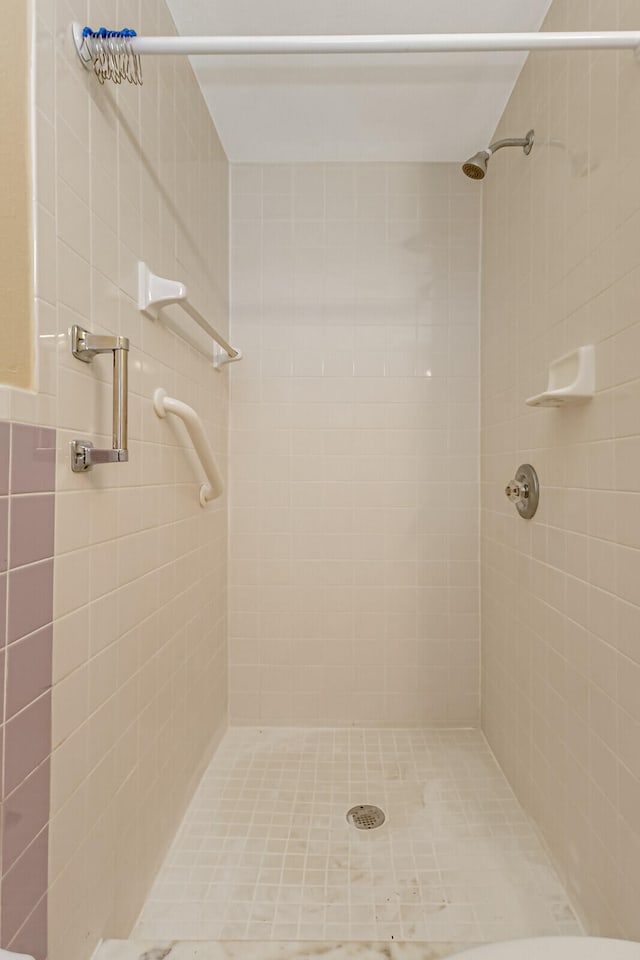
<point x="265" y="851"/>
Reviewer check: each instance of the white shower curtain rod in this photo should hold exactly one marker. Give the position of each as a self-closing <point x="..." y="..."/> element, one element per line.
<point x="403" y="43"/>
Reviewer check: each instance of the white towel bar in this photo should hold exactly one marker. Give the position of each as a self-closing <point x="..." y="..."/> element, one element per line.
<point x="155" y="292"/>
<point x="164" y="404"/>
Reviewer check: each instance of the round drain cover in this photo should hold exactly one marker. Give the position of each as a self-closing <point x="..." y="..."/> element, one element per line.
<point x="365" y="816"/>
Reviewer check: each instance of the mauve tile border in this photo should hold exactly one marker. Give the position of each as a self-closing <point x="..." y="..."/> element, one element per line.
<point x="33" y="459"/>
<point x="27" y="467"/>
<point x="31" y="523"/>
<point x="5" y="440"/>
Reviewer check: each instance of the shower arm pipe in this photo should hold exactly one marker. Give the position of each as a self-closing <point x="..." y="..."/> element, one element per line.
<point x="508" y="142"/>
<point x="164" y="404"/>
<point x="399" y="43"/>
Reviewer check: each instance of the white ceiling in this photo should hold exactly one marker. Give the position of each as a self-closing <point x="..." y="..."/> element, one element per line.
<point x="356" y="107"/>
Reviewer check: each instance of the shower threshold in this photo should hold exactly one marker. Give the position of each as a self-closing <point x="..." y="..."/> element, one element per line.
<point x="271" y="950"/>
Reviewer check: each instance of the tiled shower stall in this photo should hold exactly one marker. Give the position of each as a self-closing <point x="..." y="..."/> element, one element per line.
<point x="316" y="629"/>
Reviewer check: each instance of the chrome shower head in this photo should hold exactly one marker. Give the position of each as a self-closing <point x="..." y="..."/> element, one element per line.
<point x="476" y="166"/>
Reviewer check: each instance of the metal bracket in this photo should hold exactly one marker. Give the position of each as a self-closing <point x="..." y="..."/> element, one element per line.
<point x="85" y="346"/>
<point x="84" y="456"/>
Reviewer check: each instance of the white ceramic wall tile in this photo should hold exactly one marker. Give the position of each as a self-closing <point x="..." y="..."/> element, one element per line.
<point x="353" y="445"/>
<point x="265" y="851"/>
<point x="139" y="691"/>
<point x="561" y="595"/>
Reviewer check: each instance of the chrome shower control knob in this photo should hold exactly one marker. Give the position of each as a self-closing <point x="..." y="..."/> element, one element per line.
<point x="517" y="491"/>
<point x="523" y="491"/>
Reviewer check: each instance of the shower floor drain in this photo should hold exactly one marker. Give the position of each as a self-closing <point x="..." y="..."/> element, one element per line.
<point x="365" y="816"/>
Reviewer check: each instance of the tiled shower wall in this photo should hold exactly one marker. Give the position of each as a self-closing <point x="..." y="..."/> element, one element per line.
<point x="139" y="600"/>
<point x="27" y="512"/>
<point x="354" y="445"/>
<point x="561" y="593"/>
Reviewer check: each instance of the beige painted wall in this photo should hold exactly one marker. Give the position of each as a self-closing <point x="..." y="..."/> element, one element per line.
<point x="139" y="660"/>
<point x="354" y="445"/>
<point x="16" y="289"/>
<point x="561" y="593"/>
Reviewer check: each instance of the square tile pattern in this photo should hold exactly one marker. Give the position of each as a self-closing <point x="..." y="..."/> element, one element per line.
<point x="137" y="656"/>
<point x="265" y="851"/>
<point x="353" y="446"/>
<point x="561" y="595"/>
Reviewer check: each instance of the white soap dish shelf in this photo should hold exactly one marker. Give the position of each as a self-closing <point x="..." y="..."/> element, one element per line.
<point x="572" y="379"/>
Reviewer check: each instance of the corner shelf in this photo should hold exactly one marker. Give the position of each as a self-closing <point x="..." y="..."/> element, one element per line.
<point x="572" y="379"/>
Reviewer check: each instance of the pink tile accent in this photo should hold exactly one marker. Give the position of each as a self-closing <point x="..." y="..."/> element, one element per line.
<point x="2" y="665"/>
<point x="3" y="611"/>
<point x="28" y="669"/>
<point x="27" y="742"/>
<point x="32" y="522"/>
<point x="24" y="886"/>
<point x="32" y="936"/>
<point x="33" y="454"/>
<point x="3" y="660"/>
<point x="30" y="599"/>
<point x="5" y="433"/>
<point x="26" y="593"/>
<point x="4" y="529"/>
<point x="26" y="812"/>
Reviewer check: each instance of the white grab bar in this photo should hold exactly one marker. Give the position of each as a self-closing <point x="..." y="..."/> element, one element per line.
<point x="164" y="404"/>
